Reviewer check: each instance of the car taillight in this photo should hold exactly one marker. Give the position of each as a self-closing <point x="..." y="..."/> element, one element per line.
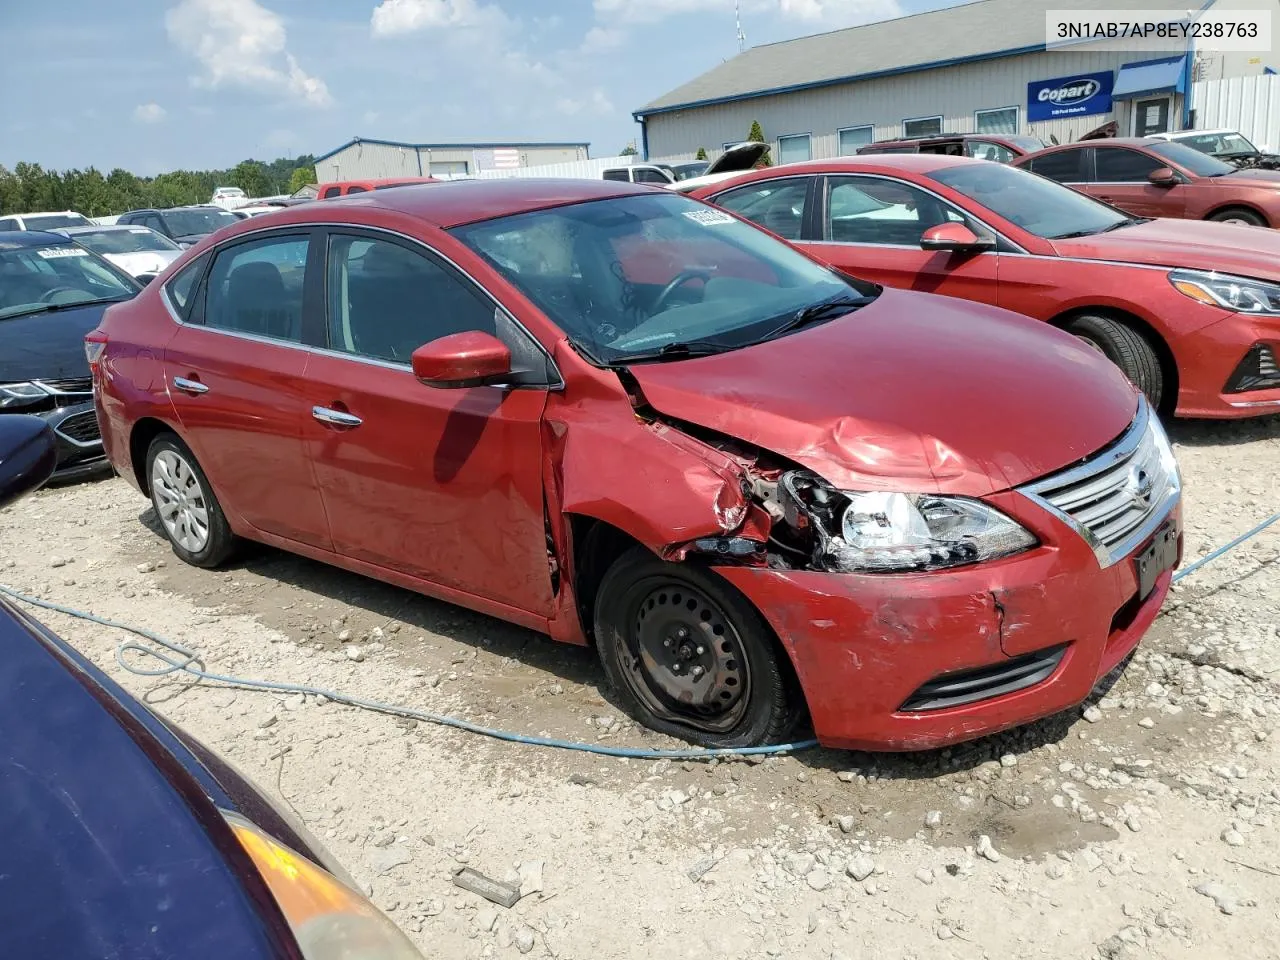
<point x="94" y="344"/>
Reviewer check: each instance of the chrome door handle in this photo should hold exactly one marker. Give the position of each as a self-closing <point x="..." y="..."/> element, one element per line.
<point x="189" y="386"/>
<point x="336" y="418"/>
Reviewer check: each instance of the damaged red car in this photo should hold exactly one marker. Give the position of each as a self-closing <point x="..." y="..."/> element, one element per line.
<point x="625" y="418"/>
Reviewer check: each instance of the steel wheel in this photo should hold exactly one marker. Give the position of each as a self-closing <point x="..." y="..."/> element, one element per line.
<point x="180" y="501"/>
<point x="683" y="658"/>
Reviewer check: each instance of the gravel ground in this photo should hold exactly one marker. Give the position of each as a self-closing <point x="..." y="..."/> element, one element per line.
<point x="1143" y="825"/>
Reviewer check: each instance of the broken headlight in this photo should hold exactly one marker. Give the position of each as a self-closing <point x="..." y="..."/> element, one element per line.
<point x="899" y="532"/>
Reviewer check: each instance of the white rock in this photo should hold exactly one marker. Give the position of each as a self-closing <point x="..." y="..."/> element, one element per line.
<point x="355" y="653"/>
<point x="1220" y="895"/>
<point x="818" y="880"/>
<point x="1008" y="760"/>
<point x="530" y="877"/>
<point x="847" y="776"/>
<point x="860" y="867"/>
<point x="847" y="824"/>
<point x="524" y="939"/>
<point x="925" y="876"/>
<point x="1092" y="714"/>
<point x="986" y="850"/>
<point x="933" y="819"/>
<point x="1147" y="723"/>
<point x="1232" y="837"/>
<point x="486" y="918"/>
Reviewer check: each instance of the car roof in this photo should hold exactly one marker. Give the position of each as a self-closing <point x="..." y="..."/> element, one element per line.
<point x="455" y="202"/>
<point x="906" y="162"/>
<point x="18" y="239"/>
<point x="98" y="227"/>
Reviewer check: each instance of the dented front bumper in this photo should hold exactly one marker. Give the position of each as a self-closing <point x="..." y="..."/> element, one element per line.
<point x="865" y="646"/>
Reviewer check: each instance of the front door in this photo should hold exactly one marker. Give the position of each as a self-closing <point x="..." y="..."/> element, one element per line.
<point x="1121" y="179"/>
<point x="441" y="485"/>
<point x="236" y="373"/>
<point x="1151" y="116"/>
<point x="871" y="228"/>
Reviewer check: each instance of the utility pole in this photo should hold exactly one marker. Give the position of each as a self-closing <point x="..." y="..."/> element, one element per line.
<point x="737" y="18"/>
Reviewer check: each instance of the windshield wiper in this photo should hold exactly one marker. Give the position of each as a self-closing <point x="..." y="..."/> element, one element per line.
<point x="1093" y="233"/>
<point x="679" y="350"/>
<point x="55" y="307"/>
<point x="1125" y="223"/>
<point x="826" y="310"/>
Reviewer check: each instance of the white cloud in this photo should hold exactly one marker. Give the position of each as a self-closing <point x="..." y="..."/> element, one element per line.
<point x="824" y="14"/>
<point x="596" y="103"/>
<point x="241" y="43"/>
<point x="149" y="113"/>
<point x="393" y="17"/>
<point x="602" y="39"/>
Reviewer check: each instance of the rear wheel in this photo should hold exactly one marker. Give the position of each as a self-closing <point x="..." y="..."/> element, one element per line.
<point x="189" y="512"/>
<point x="689" y="656"/>
<point x="1126" y="348"/>
<point x="1239" y="215"/>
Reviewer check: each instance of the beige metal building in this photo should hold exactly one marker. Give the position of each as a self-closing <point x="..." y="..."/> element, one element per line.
<point x="362" y="159"/>
<point x="979" y="67"/>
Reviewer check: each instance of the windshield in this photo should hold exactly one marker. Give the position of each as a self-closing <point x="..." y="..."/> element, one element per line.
<point x="1037" y="205"/>
<point x="1025" y="144"/>
<point x="687" y="171"/>
<point x="1216" y="144"/>
<point x="33" y="279"/>
<point x="52" y="221"/>
<point x="635" y="274"/>
<point x="1201" y="164"/>
<point x="185" y="223"/>
<point x="129" y="240"/>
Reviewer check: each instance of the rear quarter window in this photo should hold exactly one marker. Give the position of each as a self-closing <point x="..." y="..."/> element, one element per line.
<point x="178" y="291"/>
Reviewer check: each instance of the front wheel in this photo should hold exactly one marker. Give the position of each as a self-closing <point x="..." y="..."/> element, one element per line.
<point x="1239" y="215"/>
<point x="690" y="657"/>
<point x="1124" y="347"/>
<point x="184" y="501"/>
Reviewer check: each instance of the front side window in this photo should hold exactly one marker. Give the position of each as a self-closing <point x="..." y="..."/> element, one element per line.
<point x="922" y="127"/>
<point x="257" y="288"/>
<point x="851" y="138"/>
<point x="628" y="277"/>
<point x="777" y="205"/>
<point x="1064" y="166"/>
<point x="1201" y="164"/>
<point x="618" y="174"/>
<point x="57" y="275"/>
<point x="356" y="188"/>
<point x="649" y="175"/>
<point x="1038" y="206"/>
<point x="881" y="211"/>
<point x="386" y="300"/>
<point x="1117" y="165"/>
<point x="987" y="150"/>
<point x="9" y="224"/>
<point x="1004" y="120"/>
<point x="794" y="149"/>
<point x="190" y="223"/>
<point x="330" y="192"/>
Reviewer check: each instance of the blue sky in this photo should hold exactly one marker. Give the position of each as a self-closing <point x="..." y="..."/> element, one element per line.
<point x="153" y="85"/>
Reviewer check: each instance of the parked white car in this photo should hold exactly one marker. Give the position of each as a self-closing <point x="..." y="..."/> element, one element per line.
<point x="687" y="177"/>
<point x="44" y="221"/>
<point x="138" y="251"/>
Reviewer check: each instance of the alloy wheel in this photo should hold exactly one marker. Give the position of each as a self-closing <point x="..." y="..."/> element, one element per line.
<point x="180" y="501"/>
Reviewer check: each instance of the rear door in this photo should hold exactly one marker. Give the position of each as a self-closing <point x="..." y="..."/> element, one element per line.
<point x="441" y="485"/>
<point x="236" y="376"/>
<point x="1120" y="179"/>
<point x="870" y="227"/>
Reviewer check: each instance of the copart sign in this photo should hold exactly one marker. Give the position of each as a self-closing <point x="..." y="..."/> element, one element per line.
<point x="1073" y="96"/>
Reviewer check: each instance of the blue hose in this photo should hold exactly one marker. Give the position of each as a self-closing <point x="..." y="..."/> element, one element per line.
<point x="179" y="659"/>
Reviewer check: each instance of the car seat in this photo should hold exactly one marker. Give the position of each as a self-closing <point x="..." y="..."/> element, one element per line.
<point x="257" y="302"/>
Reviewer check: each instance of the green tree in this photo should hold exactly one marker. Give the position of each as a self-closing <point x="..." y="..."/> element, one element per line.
<point x="702" y="154"/>
<point x="300" y="177"/>
<point x="756" y="135"/>
<point x="251" y="177"/>
<point x="628" y="151"/>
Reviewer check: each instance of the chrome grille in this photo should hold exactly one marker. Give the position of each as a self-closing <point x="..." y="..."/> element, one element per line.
<point x="1116" y="498"/>
<point x="72" y="385"/>
<point x="80" y="428"/>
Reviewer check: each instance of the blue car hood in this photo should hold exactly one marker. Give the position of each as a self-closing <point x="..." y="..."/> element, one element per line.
<point x="47" y="346"/>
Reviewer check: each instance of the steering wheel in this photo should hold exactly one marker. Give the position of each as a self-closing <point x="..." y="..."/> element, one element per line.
<point x="48" y="295"/>
<point x="679" y="280"/>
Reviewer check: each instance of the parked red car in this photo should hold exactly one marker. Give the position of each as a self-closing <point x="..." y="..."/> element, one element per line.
<point x="1189" y="311"/>
<point x="1149" y="177"/>
<point x="342" y="188"/>
<point x="1002" y="148"/>
<point x="619" y="416"/>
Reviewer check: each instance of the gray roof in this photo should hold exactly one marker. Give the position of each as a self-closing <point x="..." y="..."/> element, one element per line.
<point x="967" y="32"/>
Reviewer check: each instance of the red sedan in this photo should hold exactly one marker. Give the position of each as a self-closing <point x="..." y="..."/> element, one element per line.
<point x="1189" y="311"/>
<point x="622" y="417"/>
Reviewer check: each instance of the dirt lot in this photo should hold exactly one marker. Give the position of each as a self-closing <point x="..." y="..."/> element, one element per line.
<point x="1144" y="826"/>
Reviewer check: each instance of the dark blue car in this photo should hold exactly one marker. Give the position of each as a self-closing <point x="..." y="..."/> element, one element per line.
<point x="53" y="292"/>
<point x="126" y="839"/>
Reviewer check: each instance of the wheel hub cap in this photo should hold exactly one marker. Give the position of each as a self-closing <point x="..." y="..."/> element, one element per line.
<point x="180" y="501"/>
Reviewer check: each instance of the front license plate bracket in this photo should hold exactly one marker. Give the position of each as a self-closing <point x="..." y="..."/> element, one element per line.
<point x="1159" y="555"/>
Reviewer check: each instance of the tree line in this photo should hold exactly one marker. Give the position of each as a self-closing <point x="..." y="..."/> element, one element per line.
<point x="29" y="187"/>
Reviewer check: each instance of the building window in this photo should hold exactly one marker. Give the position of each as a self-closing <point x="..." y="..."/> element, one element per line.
<point x="851" y="138"/>
<point x="448" y="168"/>
<point x="793" y="149"/>
<point x="1004" y="120"/>
<point x="922" y="127"/>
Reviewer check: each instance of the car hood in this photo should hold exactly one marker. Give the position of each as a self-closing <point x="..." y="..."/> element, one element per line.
<point x="913" y="392"/>
<point x="1253" y="175"/>
<point x="1197" y="244"/>
<point x="150" y="261"/>
<point x="47" y="346"/>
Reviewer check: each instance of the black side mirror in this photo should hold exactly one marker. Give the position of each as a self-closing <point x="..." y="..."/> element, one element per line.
<point x="28" y="454"/>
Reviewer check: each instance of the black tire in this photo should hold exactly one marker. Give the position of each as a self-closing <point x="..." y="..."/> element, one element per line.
<point x="1238" y="215"/>
<point x="643" y="600"/>
<point x="218" y="542"/>
<point x="1126" y="348"/>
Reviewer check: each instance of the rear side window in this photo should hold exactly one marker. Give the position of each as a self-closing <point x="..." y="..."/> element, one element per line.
<point x="618" y="174"/>
<point x="178" y="291"/>
<point x="9" y="224"/>
<point x="330" y="192"/>
<point x="257" y="288"/>
<point x="356" y="188"/>
<point x="1063" y="166"/>
<point x="650" y="176"/>
<point x="1117" y="165"/>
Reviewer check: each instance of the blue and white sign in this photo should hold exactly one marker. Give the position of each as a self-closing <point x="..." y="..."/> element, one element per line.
<point x="1075" y="96"/>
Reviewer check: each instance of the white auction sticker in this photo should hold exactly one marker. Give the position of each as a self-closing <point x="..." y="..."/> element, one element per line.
<point x="708" y="218"/>
<point x="55" y="253"/>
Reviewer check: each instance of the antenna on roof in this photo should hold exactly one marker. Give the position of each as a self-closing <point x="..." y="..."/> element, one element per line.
<point x="737" y="19"/>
